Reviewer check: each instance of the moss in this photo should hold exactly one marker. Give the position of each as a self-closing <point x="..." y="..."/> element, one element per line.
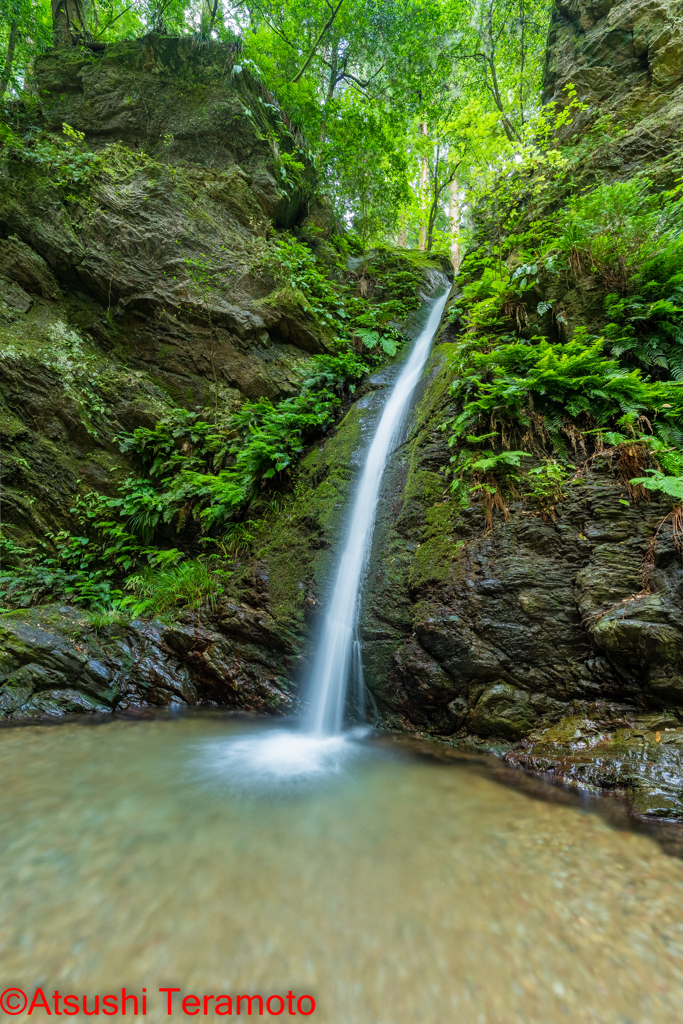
<point x="300" y="553"/>
<point x="434" y="564"/>
<point x="503" y="710"/>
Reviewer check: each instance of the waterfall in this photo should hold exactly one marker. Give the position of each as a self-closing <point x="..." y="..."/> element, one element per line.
<point x="333" y="660"/>
<point x="293" y="757"/>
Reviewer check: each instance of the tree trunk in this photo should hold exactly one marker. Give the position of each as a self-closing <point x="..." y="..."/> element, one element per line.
<point x="7" y="73"/>
<point x="454" y="223"/>
<point x="401" y="240"/>
<point x="331" y="85"/>
<point x="214" y="13"/>
<point x="328" y="24"/>
<point x="522" y="18"/>
<point x="423" y="181"/>
<point x="434" y="208"/>
<point x="70" y="22"/>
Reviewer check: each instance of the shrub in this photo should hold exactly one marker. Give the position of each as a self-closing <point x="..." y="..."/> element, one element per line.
<point x="616" y="230"/>
<point x="539" y="388"/>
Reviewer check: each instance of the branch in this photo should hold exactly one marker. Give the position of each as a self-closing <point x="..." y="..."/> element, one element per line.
<point x="110" y="23"/>
<point x="363" y="85"/>
<point x="274" y="28"/>
<point x="311" y="55"/>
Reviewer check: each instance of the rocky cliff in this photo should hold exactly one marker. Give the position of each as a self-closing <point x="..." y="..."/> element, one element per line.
<point x="142" y="196"/>
<point x="107" y="247"/>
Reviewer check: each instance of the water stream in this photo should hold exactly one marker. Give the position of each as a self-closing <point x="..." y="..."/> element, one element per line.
<point x="292" y="756"/>
<point x="331" y="666"/>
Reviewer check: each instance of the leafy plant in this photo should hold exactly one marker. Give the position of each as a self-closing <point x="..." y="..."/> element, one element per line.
<point x="193" y="583"/>
<point x="544" y="483"/>
<point x="615" y="230"/>
<point x="540" y="387"/>
<point x="658" y="481"/>
<point x="188" y="456"/>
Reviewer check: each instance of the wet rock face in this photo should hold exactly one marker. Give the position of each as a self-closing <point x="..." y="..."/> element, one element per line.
<point x="615" y="52"/>
<point x="624" y="59"/>
<point x="54" y="661"/>
<point x="614" y="749"/>
<point x="489" y="633"/>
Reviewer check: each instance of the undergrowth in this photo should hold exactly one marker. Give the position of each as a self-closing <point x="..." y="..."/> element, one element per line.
<point x="540" y="395"/>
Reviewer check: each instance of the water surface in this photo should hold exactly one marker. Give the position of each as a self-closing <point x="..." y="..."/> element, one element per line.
<point x="393" y="889"/>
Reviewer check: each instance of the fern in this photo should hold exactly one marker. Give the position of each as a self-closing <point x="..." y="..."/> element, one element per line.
<point x="658" y="481"/>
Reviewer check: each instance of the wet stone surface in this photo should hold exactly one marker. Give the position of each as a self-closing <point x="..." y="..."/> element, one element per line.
<point x="640" y="756"/>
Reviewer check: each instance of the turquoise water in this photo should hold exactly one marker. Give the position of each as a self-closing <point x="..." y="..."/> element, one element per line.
<point x="393" y="889"/>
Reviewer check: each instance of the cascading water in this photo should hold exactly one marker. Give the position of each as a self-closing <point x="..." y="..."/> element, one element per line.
<point x="332" y="663"/>
<point x="287" y="756"/>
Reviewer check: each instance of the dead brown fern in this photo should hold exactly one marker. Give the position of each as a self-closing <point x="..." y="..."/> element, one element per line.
<point x="517" y="311"/>
<point x="675" y="517"/>
<point x="536" y="433"/>
<point x="493" y="500"/>
<point x="632" y="462"/>
<point x="487" y="490"/>
<point x="575" y="438"/>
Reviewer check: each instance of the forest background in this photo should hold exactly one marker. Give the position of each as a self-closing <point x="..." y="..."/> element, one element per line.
<point x="409" y="108"/>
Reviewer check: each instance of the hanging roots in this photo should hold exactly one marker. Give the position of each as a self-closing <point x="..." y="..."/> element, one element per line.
<point x="631" y="462"/>
<point x="536" y="434"/>
<point x="366" y="284"/>
<point x="675" y="517"/>
<point x="575" y="437"/>
<point x="493" y="499"/>
<point x="517" y="312"/>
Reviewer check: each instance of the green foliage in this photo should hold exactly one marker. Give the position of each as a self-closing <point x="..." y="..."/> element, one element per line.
<point x="544" y="483"/>
<point x="25" y="31"/>
<point x="658" y="481"/>
<point x="193" y="583"/>
<point x="116" y="545"/>
<point x="270" y="438"/>
<point x="65" y="160"/>
<point x="515" y="383"/>
<point x="554" y="398"/>
<point x="294" y="265"/>
<point x="485" y="470"/>
<point x="366" y="168"/>
<point x="489" y="462"/>
<point x="379" y="325"/>
<point x="32" y="584"/>
<point x="209" y="472"/>
<point x="617" y="230"/>
<point x="650" y="332"/>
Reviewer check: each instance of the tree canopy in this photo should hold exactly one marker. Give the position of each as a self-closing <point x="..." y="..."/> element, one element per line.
<point x="403" y="103"/>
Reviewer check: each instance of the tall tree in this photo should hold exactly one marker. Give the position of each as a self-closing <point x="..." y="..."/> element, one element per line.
<point x="6" y="74"/>
<point x="70" y="22"/>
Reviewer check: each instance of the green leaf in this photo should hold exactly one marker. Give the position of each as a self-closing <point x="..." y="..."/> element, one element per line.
<point x="658" y="481"/>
